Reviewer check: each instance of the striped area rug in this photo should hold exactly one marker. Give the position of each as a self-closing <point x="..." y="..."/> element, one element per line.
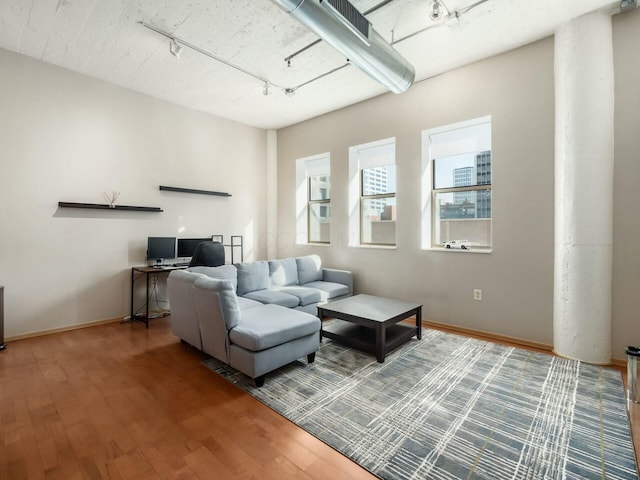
<point x="451" y="407"/>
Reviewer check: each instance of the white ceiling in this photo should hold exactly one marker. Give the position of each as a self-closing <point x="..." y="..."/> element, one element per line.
<point x="104" y="39"/>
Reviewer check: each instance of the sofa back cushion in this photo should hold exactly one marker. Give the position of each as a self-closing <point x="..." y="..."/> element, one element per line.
<point x="184" y="321"/>
<point x="210" y="292"/>
<point x="252" y="276"/>
<point x="309" y="269"/>
<point x="224" y="272"/>
<point x="217" y="310"/>
<point x="283" y="272"/>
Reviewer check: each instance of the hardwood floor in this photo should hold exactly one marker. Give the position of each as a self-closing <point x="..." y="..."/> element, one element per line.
<point x="117" y="401"/>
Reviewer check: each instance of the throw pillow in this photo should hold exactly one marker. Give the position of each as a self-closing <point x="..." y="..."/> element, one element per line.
<point x="283" y="272"/>
<point x="252" y="276"/>
<point x="309" y="269"/>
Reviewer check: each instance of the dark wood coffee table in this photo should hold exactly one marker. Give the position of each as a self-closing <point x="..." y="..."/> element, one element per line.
<point x="370" y="323"/>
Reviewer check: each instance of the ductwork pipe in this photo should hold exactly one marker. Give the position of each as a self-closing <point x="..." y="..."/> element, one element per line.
<point x="362" y="45"/>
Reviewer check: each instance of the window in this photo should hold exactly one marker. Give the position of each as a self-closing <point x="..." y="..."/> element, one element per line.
<point x="319" y="209"/>
<point x="372" y="171"/>
<point x="457" y="201"/>
<point x="313" y="199"/>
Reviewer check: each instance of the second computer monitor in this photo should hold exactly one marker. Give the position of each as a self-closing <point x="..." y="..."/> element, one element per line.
<point x="187" y="246"/>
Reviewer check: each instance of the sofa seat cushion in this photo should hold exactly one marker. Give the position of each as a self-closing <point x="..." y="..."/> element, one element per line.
<point x="246" y="303"/>
<point x="283" y="272"/>
<point x="305" y="295"/>
<point x="273" y="296"/>
<point x="271" y="325"/>
<point x="252" y="276"/>
<point x="329" y="289"/>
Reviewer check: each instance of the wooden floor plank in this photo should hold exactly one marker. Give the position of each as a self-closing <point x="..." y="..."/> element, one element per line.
<point x="118" y="401"/>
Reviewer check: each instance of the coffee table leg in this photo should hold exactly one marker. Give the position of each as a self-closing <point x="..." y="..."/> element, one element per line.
<point x="381" y="340"/>
<point x="419" y="322"/>
<point x="320" y="316"/>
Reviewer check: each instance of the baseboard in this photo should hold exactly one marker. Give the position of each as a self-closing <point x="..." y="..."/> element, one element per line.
<point x="615" y="362"/>
<point x="62" y="329"/>
<point x="489" y="336"/>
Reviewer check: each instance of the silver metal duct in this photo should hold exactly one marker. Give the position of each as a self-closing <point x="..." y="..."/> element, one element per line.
<point x="341" y="25"/>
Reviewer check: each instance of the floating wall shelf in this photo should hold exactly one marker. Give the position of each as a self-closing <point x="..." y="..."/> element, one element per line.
<point x="104" y="206"/>
<point x="191" y="190"/>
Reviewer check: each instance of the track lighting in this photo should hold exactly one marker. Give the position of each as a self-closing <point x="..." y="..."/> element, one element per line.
<point x="437" y="11"/>
<point x="175" y="48"/>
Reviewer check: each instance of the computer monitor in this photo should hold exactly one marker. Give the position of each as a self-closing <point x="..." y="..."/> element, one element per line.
<point x="187" y="246"/>
<point x="160" y="248"/>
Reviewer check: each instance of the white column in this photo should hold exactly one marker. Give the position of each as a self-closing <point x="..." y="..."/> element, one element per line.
<point x="583" y="188"/>
<point x="272" y="194"/>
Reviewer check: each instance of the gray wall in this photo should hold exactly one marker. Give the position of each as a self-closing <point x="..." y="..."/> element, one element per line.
<point x="68" y="137"/>
<point x="517" y="90"/>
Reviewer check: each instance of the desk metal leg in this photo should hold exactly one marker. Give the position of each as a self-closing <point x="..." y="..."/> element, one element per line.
<point x="131" y="319"/>
<point x="142" y="313"/>
<point x="146" y="319"/>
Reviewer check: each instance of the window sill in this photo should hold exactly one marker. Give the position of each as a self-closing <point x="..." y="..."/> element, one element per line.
<point x="313" y="244"/>
<point x="456" y="250"/>
<point x="376" y="247"/>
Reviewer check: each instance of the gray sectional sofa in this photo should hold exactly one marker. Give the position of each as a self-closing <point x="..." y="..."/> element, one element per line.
<point x="254" y="316"/>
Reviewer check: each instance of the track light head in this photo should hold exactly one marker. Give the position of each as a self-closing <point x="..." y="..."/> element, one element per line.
<point x="265" y="89"/>
<point x="289" y="92"/>
<point x="175" y="48"/>
<point x="436" y="13"/>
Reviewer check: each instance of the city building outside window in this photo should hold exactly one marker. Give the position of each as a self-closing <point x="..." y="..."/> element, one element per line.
<point x="372" y="172"/>
<point x="313" y="199"/>
<point x="457" y="201"/>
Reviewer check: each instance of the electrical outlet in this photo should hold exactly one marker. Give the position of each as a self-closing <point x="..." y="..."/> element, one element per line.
<point x="477" y="294"/>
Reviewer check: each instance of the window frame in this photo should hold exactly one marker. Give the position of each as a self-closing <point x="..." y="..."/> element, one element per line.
<point x="362" y="156"/>
<point x="307" y="167"/>
<point x="310" y="202"/>
<point x="375" y="196"/>
<point x="430" y="214"/>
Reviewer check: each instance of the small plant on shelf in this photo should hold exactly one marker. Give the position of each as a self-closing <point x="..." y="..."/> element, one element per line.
<point x="111" y="198"/>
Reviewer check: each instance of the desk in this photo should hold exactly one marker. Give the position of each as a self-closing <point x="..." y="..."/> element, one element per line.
<point x="138" y="272"/>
